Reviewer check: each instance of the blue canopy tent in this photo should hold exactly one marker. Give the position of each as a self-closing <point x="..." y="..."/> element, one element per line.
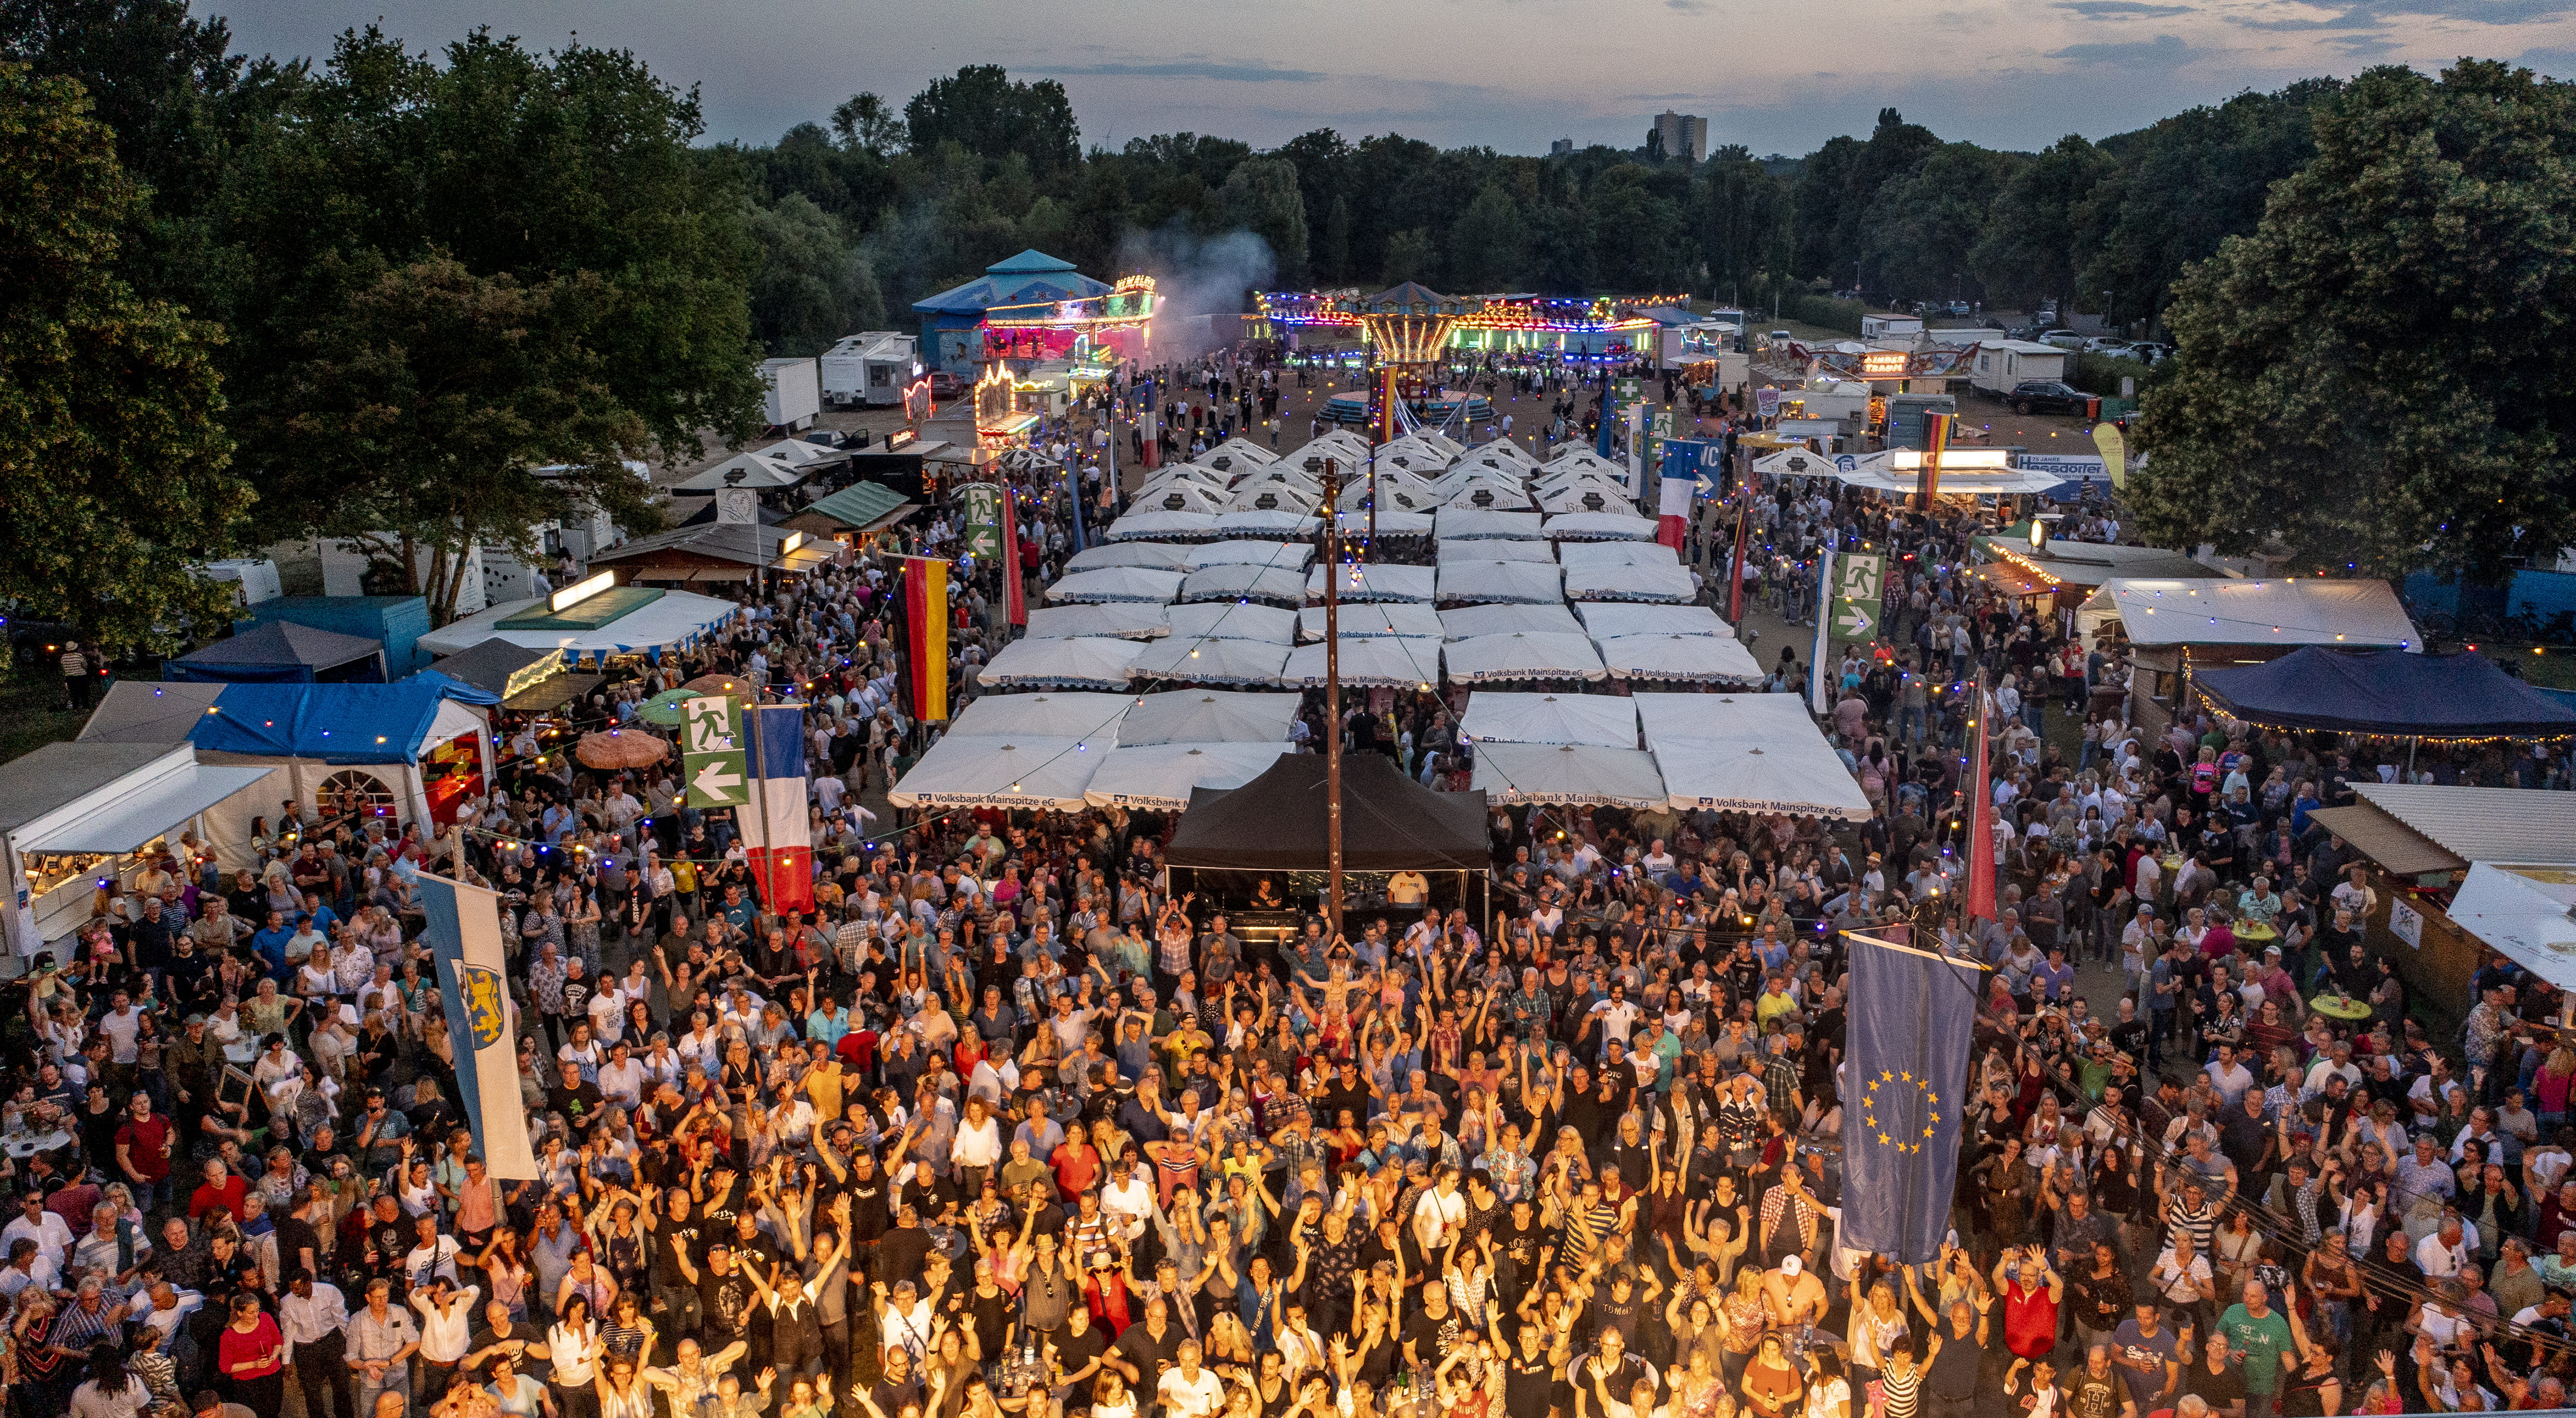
<point x="2389" y="692"/>
<point x="282" y="652"/>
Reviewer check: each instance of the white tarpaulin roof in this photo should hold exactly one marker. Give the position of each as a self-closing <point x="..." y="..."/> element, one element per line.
<point x="1240" y="447"/>
<point x="1488" y="492"/>
<point x="1468" y="622"/>
<point x="1258" y="495"/>
<point x="1118" y="583"/>
<point x="2275" y="610"/>
<point x="1374" y="581"/>
<point x="1396" y="491"/>
<point x="1211" y="661"/>
<point x="1282" y="524"/>
<point x="1494" y="549"/>
<point x="1155" y="524"/>
<point x="1708" y="659"/>
<point x="1293" y="555"/>
<point x="1373" y="618"/>
<point x="1569" y="773"/>
<point x="1091" y="716"/>
<point x="1228" y="620"/>
<point x="1458" y="524"/>
<point x="1128" y="620"/>
<point x="1393" y="660"/>
<point x="1604" y="619"/>
<point x="1604" y="719"/>
<point x="973" y="770"/>
<point x="1280" y="475"/>
<point x="1159" y="778"/>
<point x="1389" y="523"/>
<point x="1239" y="580"/>
<point x="1620" y="526"/>
<point x="1203" y="479"/>
<point x="1154" y="556"/>
<point x="1964" y="482"/>
<point x="676" y="620"/>
<point x="1208" y="716"/>
<point x="1624" y="571"/>
<point x="1523" y="655"/>
<point x="1586" y="494"/>
<point x="1537" y="582"/>
<point x="1177" y="494"/>
<point x="1083" y="662"/>
<point x="2523" y="911"/>
<point x="1747" y="753"/>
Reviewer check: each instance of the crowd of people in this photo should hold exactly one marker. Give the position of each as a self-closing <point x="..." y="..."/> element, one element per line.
<point x="1009" y="1123"/>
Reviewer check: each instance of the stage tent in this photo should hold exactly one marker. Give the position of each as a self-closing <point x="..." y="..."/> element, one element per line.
<point x="1569" y="773"/>
<point x="1373" y="619"/>
<point x="1208" y="716"/>
<point x="1392" y="661"/>
<point x="1756" y="753"/>
<point x="2392" y="692"/>
<point x="1081" y="662"/>
<point x="1211" y="662"/>
<point x="1276" y="822"/>
<point x="1161" y="777"/>
<point x="1232" y="620"/>
<point x="1604" y="720"/>
<point x="1523" y="655"/>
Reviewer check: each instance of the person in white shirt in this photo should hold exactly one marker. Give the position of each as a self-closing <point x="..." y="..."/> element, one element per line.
<point x="1188" y="1391"/>
<point x="1440" y="1213"/>
<point x="621" y="1079"/>
<point x="53" y="1238"/>
<point x="446" y="1320"/>
<point x="1407" y="888"/>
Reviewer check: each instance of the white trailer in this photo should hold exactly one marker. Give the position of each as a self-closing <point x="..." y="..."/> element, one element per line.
<point x="2001" y="364"/>
<point x="869" y="369"/>
<point x="1881" y="327"/>
<point x="795" y="397"/>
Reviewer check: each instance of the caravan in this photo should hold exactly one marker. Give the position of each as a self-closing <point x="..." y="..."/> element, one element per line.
<point x="869" y="369"/>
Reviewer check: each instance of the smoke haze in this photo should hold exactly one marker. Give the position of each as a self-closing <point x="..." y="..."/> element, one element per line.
<point x="1200" y="284"/>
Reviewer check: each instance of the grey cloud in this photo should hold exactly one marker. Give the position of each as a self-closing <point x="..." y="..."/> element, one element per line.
<point x="2164" y="51"/>
<point x="2121" y="9"/>
<point x="2557" y="63"/>
<point x="1193" y="69"/>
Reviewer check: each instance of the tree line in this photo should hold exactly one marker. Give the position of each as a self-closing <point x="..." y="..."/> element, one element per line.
<point x="445" y="295"/>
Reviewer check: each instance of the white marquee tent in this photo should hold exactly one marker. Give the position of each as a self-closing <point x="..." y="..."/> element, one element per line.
<point x="1211" y="661"/>
<point x="1158" y="778"/>
<point x="1468" y="622"/>
<point x="1374" y="581"/>
<point x="1604" y="619"/>
<point x="1158" y="525"/>
<point x="1208" y="716"/>
<point x="1153" y="556"/>
<point x="1536" y="582"/>
<point x="1082" y="662"/>
<point x="1523" y="655"/>
<point x="1128" y="620"/>
<point x="1494" y="549"/>
<point x="1232" y="620"/>
<point x="1606" y="526"/>
<point x="1569" y="773"/>
<point x="1118" y="583"/>
<point x="1458" y="524"/>
<point x="1293" y="555"/>
<point x="1747" y="753"/>
<point x="1093" y="717"/>
<point x="1242" y="581"/>
<point x="1395" y="661"/>
<point x="1018" y="771"/>
<point x="1370" y="618"/>
<point x="1707" y="659"/>
<point x="1607" y="720"/>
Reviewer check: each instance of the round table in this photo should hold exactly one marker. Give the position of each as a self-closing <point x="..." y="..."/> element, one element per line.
<point x="2348" y="1010"/>
<point x="26" y="1145"/>
<point x="2257" y="932"/>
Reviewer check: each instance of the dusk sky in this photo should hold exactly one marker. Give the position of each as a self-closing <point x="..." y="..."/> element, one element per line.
<point x="1509" y="74"/>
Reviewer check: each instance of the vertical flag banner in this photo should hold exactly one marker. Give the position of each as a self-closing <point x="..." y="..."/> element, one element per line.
<point x="778" y="840"/>
<point x="983" y="520"/>
<point x="1936" y="441"/>
<point x="1015" y="598"/>
<point x="463" y="927"/>
<point x="1636" y="415"/>
<point x="1912" y="1014"/>
<point x="925" y="619"/>
<point x="1816" y="688"/>
<point x="1673" y="493"/>
<point x="2115" y="452"/>
<point x="1743" y="529"/>
<point x="715" y="763"/>
<point x="1981" y="811"/>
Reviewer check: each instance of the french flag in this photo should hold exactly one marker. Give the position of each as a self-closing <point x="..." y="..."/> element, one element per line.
<point x="780" y="845"/>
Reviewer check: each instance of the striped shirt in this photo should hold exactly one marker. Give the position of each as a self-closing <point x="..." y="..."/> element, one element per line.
<point x="1900" y="1393"/>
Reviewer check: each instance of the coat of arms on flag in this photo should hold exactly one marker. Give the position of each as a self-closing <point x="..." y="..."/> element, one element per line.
<point x="484" y="1011"/>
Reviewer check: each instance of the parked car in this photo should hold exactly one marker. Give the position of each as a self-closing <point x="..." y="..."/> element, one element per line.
<point x="2048" y="396"/>
<point x="1960" y="308"/>
<point x="2111" y="345"/>
<point x="1779" y="337"/>
<point x="2149" y="352"/>
<point x="2063" y="339"/>
<point x="945" y="385"/>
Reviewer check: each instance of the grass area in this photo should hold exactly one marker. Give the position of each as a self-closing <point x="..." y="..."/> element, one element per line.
<point x="32" y="713"/>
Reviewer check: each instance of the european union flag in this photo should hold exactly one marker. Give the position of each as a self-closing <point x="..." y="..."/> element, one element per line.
<point x="1911" y="1017"/>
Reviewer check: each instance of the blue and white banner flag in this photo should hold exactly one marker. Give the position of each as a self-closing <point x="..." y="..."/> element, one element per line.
<point x="464" y="932"/>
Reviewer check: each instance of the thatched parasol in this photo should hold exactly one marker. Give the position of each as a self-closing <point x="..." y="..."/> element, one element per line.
<point x="621" y="748"/>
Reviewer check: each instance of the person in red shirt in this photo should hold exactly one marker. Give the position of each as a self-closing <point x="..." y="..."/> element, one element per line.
<point x="2031" y="1290"/>
<point x="222" y="1190"/>
<point x="143" y="1144"/>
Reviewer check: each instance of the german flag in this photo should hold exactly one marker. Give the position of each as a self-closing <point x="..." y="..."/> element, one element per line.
<point x="925" y="620"/>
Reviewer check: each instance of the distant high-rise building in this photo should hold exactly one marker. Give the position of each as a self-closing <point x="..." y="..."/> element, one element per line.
<point x="1560" y="147"/>
<point x="1685" y="135"/>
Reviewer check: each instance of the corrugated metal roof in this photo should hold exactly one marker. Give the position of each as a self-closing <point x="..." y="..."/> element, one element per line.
<point x="2483" y="824"/>
<point x="2275" y="610"/>
<point x="2399" y="849"/>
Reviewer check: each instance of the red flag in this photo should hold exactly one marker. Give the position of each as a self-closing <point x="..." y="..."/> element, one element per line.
<point x="1936" y="441"/>
<point x="1981" y="812"/>
<point x="1013" y="597"/>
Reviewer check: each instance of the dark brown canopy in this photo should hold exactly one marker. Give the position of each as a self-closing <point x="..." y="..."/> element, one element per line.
<point x="1277" y="821"/>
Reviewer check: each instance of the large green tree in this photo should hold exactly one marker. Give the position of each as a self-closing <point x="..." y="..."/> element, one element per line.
<point x="2376" y="374"/>
<point x="982" y="109"/>
<point x="1261" y="196"/>
<point x="115" y="474"/>
<point x="811" y="287"/>
<point x="2031" y="246"/>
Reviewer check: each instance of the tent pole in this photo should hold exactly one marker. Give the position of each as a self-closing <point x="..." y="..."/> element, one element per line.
<point x="2410" y="757"/>
<point x="1332" y="691"/>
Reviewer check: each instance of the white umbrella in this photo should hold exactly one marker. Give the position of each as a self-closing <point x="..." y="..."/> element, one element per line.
<point x="1155" y="524"/>
<point x="1476" y="581"/>
<point x="1523" y="655"/>
<point x="1159" y="778"/>
<point x="1374" y="581"/>
<point x="1707" y="659"/>
<point x="1397" y="491"/>
<point x="1208" y="716"/>
<point x="1232" y="620"/>
<point x="1084" y="662"/>
<point x="1177" y="494"/>
<point x="1491" y="492"/>
<point x="1391" y="660"/>
<point x="1293" y="555"/>
<point x="1468" y="622"/>
<point x="1604" y="619"/>
<point x="1257" y="496"/>
<point x="1604" y="526"/>
<point x="1373" y="618"/>
<point x="1091" y="717"/>
<point x="1128" y="620"/>
<point x="1118" y="583"/>
<point x="1585" y="494"/>
<point x="970" y="770"/>
<point x="1568" y="773"/>
<point x="1604" y="719"/>
<point x="1153" y="556"/>
<point x="1211" y="662"/>
<point x="1457" y="524"/>
<point x="1243" y="450"/>
<point x="1243" y="581"/>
